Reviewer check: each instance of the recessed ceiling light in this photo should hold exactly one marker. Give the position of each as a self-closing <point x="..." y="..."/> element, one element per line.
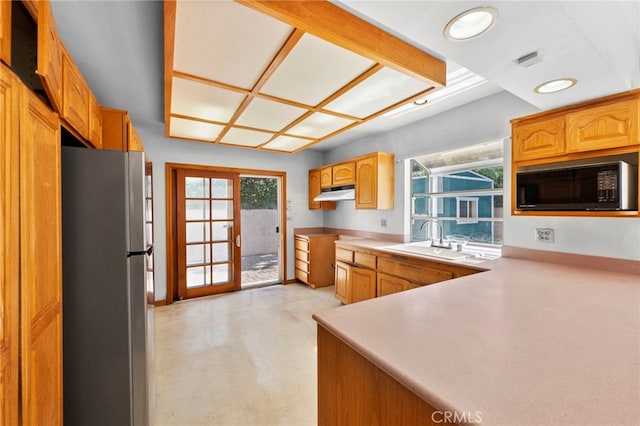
<point x="420" y="101"/>
<point x="471" y="23"/>
<point x="555" y="85"/>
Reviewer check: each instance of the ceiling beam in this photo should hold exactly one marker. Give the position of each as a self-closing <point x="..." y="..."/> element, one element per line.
<point x="335" y="25"/>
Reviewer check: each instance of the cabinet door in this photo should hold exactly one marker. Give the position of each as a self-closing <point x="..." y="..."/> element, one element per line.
<point x="343" y="174"/>
<point x="314" y="189"/>
<point x="366" y="183"/>
<point x="9" y="259"/>
<point x="342" y="282"/>
<point x="326" y="177"/>
<point x="5" y="32"/>
<point x="362" y="284"/>
<point x="607" y="126"/>
<point x="95" y="122"/>
<point x="40" y="263"/>
<point x="539" y="139"/>
<point x="75" y="97"/>
<point x="49" y="55"/>
<point x="388" y="284"/>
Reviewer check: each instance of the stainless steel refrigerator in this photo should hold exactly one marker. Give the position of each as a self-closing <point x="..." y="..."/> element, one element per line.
<point x="104" y="288"/>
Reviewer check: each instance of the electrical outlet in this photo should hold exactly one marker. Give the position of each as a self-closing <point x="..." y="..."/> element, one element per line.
<point x="383" y="223"/>
<point x="545" y="235"/>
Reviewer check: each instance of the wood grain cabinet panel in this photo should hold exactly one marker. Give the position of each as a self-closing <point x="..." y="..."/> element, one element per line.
<point x="118" y="132"/>
<point x="49" y="55"/>
<point x="343" y="174"/>
<point x="375" y="181"/>
<point x="326" y="177"/>
<point x="75" y="97"/>
<point x="538" y="139"/>
<point x="388" y="284"/>
<point x="5" y="32"/>
<point x="315" y="188"/>
<point x="95" y="122"/>
<point x="353" y="283"/>
<point x="9" y="259"/>
<point x="40" y="263"/>
<point x="417" y="273"/>
<point x="314" y="259"/>
<point x="607" y="126"/>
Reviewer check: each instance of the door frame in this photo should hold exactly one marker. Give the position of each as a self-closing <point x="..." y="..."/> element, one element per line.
<point x="171" y="217"/>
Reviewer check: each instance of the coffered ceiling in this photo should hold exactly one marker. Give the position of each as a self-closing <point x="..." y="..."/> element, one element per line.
<point x="267" y="75"/>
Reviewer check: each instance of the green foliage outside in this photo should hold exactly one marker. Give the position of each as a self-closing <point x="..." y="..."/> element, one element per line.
<point x="496" y="174"/>
<point x="258" y="193"/>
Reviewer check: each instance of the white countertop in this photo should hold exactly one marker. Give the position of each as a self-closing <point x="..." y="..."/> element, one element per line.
<point x="524" y="343"/>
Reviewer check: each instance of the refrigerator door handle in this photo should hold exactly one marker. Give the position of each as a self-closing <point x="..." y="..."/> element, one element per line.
<point x="148" y="252"/>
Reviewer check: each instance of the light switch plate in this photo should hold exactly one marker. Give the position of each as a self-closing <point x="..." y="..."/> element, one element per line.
<point x="545" y="235"/>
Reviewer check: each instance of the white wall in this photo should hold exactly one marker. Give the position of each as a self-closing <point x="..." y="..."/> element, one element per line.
<point x="482" y="121"/>
<point x="162" y="151"/>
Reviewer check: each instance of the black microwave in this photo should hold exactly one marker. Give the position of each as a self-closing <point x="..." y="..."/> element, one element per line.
<point x="602" y="186"/>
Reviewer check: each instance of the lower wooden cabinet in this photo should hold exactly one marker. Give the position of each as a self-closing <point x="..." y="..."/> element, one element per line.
<point x="354" y="284"/>
<point x="363" y="273"/>
<point x="314" y="258"/>
<point x="388" y="284"/>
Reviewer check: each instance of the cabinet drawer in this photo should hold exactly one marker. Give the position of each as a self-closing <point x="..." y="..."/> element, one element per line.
<point x="302" y="276"/>
<point x="303" y="266"/>
<point x="417" y="274"/>
<point x="302" y="255"/>
<point x="302" y="244"/>
<point x="344" y="255"/>
<point x="365" y="259"/>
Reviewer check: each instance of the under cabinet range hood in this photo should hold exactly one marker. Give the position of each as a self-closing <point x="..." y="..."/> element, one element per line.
<point x="337" y="194"/>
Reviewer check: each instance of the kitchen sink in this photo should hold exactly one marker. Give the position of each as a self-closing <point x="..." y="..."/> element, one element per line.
<point x="425" y="249"/>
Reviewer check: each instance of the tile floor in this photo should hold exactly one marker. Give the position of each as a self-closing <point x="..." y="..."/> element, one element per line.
<point x="244" y="358"/>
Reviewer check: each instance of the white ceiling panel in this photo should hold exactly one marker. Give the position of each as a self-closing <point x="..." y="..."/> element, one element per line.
<point x="318" y="125"/>
<point x="287" y="143"/>
<point x="384" y="88"/>
<point x="314" y="70"/>
<point x="225" y="41"/>
<point x="246" y="137"/>
<point x="203" y="100"/>
<point x="190" y="129"/>
<point x="265" y="114"/>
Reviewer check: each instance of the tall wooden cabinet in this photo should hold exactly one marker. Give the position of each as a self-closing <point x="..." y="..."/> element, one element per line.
<point x="31" y="262"/>
<point x="374" y="181"/>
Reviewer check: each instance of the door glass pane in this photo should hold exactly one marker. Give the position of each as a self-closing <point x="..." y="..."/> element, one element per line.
<point x="198" y="276"/>
<point x="196" y="187"/>
<point x="148" y="210"/>
<point x="222" y="209"/>
<point x="197" y="232"/>
<point x="221" y="188"/>
<point x="221" y="252"/>
<point x="222" y="231"/>
<point x="198" y="254"/>
<point x="197" y="209"/>
<point x="148" y="232"/>
<point x="222" y="273"/>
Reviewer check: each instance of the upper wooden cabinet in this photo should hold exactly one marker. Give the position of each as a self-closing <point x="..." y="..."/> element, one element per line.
<point x="575" y="131"/>
<point x="539" y="139"/>
<point x="75" y="97"/>
<point x="315" y="189"/>
<point x="374" y="181"/>
<point x="5" y="32"/>
<point x="606" y="126"/>
<point x="338" y="174"/>
<point x="95" y="122"/>
<point x="372" y="174"/>
<point x="49" y="55"/>
<point x="118" y="132"/>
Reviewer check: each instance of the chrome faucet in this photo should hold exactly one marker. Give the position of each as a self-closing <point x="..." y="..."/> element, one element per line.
<point x="441" y="242"/>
